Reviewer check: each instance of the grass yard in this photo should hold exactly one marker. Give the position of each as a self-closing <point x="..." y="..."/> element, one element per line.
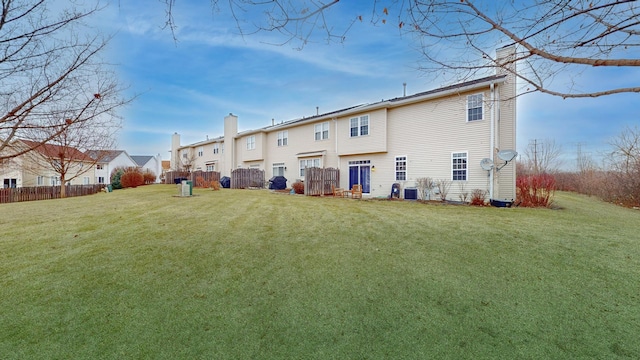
<point x="248" y="274"/>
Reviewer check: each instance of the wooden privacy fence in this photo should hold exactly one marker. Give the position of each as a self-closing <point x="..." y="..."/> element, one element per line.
<point x="206" y="176"/>
<point x="247" y="178"/>
<point x="10" y="195"/>
<point x="318" y="181"/>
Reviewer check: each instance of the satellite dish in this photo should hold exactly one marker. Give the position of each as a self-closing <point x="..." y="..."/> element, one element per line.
<point x="507" y="155"/>
<point x="486" y="164"/>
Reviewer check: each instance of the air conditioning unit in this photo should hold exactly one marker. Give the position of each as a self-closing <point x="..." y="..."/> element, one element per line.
<point x="411" y="194"/>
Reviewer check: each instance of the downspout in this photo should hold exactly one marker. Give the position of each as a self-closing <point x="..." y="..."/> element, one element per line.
<point x="492" y="140"/>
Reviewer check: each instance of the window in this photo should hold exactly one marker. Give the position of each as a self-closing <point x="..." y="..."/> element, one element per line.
<point x="321" y="131"/>
<point x="216" y="148"/>
<point x="222" y="149"/>
<point x="211" y="167"/>
<point x="401" y="168"/>
<point x="278" y="169"/>
<point x="184" y="155"/>
<point x="251" y="142"/>
<point x="459" y="166"/>
<point x="85" y="180"/>
<point x="308" y="163"/>
<point x="200" y="151"/>
<point x="55" y="180"/>
<point x="99" y="167"/>
<point x="359" y="126"/>
<point x="100" y="179"/>
<point x="283" y="137"/>
<point x="40" y="180"/>
<point x="474" y="107"/>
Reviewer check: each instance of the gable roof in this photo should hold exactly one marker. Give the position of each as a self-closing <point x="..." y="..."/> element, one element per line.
<point x="104" y="155"/>
<point x="141" y="160"/>
<point x="56" y="151"/>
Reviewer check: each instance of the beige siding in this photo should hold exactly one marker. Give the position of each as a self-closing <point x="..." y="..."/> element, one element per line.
<point x="428" y="133"/>
<point x="257" y="153"/>
<point x="375" y="141"/>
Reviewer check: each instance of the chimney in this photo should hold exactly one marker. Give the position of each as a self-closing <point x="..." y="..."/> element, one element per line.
<point x="317" y="110"/>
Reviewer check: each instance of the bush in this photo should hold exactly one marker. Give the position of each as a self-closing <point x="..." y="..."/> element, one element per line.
<point x="149" y="177"/>
<point x="535" y="190"/>
<point x="298" y="187"/>
<point x="478" y="197"/>
<point x="116" y="174"/>
<point x="132" y="177"/>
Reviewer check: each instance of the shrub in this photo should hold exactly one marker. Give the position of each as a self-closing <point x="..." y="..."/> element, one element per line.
<point x="535" y="190"/>
<point x="478" y="197"/>
<point x="132" y="177"/>
<point x="298" y="187"/>
<point x="200" y="183"/>
<point x="149" y="177"/>
<point x="116" y="174"/>
<point x="443" y="186"/>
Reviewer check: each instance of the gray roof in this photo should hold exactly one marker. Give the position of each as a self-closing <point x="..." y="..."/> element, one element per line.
<point x="141" y="160"/>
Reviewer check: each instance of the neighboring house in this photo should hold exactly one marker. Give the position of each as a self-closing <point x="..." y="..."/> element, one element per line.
<point x="109" y="160"/>
<point x="443" y="134"/>
<point x="36" y="167"/>
<point x="112" y="159"/>
<point x="150" y="163"/>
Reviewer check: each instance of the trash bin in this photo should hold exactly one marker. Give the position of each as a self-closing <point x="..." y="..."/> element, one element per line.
<point x="225" y="182"/>
<point x="190" y="185"/>
<point x="109" y="188"/>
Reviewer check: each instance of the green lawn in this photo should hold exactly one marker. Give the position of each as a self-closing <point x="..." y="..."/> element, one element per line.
<point x="249" y="274"/>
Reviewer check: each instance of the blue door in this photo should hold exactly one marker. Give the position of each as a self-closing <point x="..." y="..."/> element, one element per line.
<point x="360" y="173"/>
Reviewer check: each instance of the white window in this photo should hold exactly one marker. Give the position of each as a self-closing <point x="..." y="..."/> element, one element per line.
<point x="474" y="107"/>
<point x="55" y="180"/>
<point x="283" y="138"/>
<point x="100" y="179"/>
<point x="459" y="166"/>
<point x="184" y="155"/>
<point x="251" y="142"/>
<point x="211" y="167"/>
<point x="308" y="163"/>
<point x="222" y="149"/>
<point x="216" y="148"/>
<point x="401" y="168"/>
<point x="85" y="180"/>
<point x="200" y="151"/>
<point x="40" y="180"/>
<point x="278" y="169"/>
<point x="321" y="131"/>
<point x="99" y="167"/>
<point x="254" y="166"/>
<point x="359" y="126"/>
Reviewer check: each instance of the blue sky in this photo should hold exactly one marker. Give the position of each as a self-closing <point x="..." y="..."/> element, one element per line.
<point x="189" y="86"/>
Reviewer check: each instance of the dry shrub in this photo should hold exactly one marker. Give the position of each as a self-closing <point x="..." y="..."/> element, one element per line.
<point x="215" y="185"/>
<point x="298" y="187"/>
<point x="535" y="190"/>
<point x="200" y="183"/>
<point x="132" y="177"/>
<point x="149" y="177"/>
<point x="478" y="197"/>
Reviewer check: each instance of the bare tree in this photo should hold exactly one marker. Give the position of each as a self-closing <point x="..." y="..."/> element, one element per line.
<point x="187" y="160"/>
<point x="625" y="166"/>
<point x="542" y="156"/>
<point x="52" y="75"/>
<point x="72" y="149"/>
<point x="553" y="37"/>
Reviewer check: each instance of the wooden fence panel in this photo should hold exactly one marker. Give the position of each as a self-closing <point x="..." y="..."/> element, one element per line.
<point x="247" y="178"/>
<point x="319" y="181"/>
<point x="205" y="176"/>
<point x="46" y="192"/>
